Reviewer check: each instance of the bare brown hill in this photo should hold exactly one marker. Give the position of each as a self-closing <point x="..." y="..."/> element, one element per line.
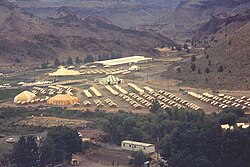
<point x="28" y="38"/>
<point x="223" y="65"/>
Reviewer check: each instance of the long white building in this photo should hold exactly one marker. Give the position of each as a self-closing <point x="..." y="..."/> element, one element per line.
<point x="124" y="60"/>
<point x="137" y="146"/>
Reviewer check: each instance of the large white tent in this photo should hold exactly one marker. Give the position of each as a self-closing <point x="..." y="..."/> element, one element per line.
<point x="110" y="80"/>
<point x="64" y="72"/>
<point x="24" y="96"/>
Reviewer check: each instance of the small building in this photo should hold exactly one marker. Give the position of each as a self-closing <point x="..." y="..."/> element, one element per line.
<point x="134" y="68"/>
<point x="225" y="126"/>
<point x="137" y="146"/>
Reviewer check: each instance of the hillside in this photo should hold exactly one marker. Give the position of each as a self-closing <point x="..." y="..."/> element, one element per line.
<point x="26" y="38"/>
<point x="190" y="15"/>
<point x="229" y="58"/>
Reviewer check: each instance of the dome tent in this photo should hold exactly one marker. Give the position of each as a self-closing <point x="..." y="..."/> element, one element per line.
<point x="63" y="99"/>
<point x="110" y="80"/>
<point x="24" y="96"/>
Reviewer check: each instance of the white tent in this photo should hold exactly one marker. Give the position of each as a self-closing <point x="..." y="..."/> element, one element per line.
<point x="134" y="68"/>
<point x="24" y="96"/>
<point x="110" y="80"/>
<point x="64" y="72"/>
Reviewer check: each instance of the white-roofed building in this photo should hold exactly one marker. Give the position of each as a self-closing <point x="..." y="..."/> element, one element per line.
<point x="134" y="68"/>
<point x="137" y="146"/>
<point x="124" y="60"/>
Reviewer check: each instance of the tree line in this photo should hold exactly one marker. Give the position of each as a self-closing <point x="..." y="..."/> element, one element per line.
<point x="88" y="59"/>
<point x="58" y="147"/>
<point x="184" y="138"/>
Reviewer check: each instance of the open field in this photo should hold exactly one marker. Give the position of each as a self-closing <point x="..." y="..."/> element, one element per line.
<point x="51" y="121"/>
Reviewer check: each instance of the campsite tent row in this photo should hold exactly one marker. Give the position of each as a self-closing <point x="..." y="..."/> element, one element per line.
<point x="120" y="72"/>
<point x="99" y="71"/>
<point x="211" y="99"/>
<point x="164" y="102"/>
<point x="114" y="92"/>
<point x="110" y="103"/>
<point x="179" y="101"/>
<point x="42" y="100"/>
<point x="243" y="100"/>
<point x="87" y="103"/>
<point x="123" y="91"/>
<point x="216" y="100"/>
<point x="96" y="92"/>
<point x="59" y="89"/>
<point x="141" y="100"/>
<point x="138" y="89"/>
<point x="34" y="83"/>
<point x="87" y="93"/>
<point x="148" y="89"/>
<point x="98" y="103"/>
<point x="238" y="125"/>
<point x="130" y="101"/>
<point x="224" y="101"/>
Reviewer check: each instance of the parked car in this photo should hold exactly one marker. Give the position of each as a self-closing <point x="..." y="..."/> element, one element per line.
<point x="10" y="140"/>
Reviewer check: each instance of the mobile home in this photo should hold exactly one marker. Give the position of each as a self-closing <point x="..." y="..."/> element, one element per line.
<point x="136" y="146"/>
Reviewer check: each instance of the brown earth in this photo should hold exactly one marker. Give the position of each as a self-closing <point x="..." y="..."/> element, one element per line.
<point x="28" y="38"/>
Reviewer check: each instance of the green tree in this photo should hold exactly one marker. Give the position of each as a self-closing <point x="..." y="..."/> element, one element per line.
<point x="69" y="61"/>
<point x="155" y="106"/>
<point x="228" y="118"/>
<point x="47" y="152"/>
<point x="88" y="59"/>
<point x="65" y="141"/>
<point x="57" y="62"/>
<point x="185" y="147"/>
<point x="193" y="58"/>
<point x="138" y="158"/>
<point x="26" y="152"/>
<point x="193" y="66"/>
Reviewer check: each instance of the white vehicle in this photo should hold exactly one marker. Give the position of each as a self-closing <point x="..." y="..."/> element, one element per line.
<point x="10" y="140"/>
<point x="79" y="134"/>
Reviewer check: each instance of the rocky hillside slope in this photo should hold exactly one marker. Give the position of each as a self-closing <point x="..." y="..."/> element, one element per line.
<point x="28" y="38"/>
<point x="225" y="63"/>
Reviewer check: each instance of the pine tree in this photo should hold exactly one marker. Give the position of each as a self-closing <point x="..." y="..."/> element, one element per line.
<point x="69" y="61"/>
<point x="78" y="61"/>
